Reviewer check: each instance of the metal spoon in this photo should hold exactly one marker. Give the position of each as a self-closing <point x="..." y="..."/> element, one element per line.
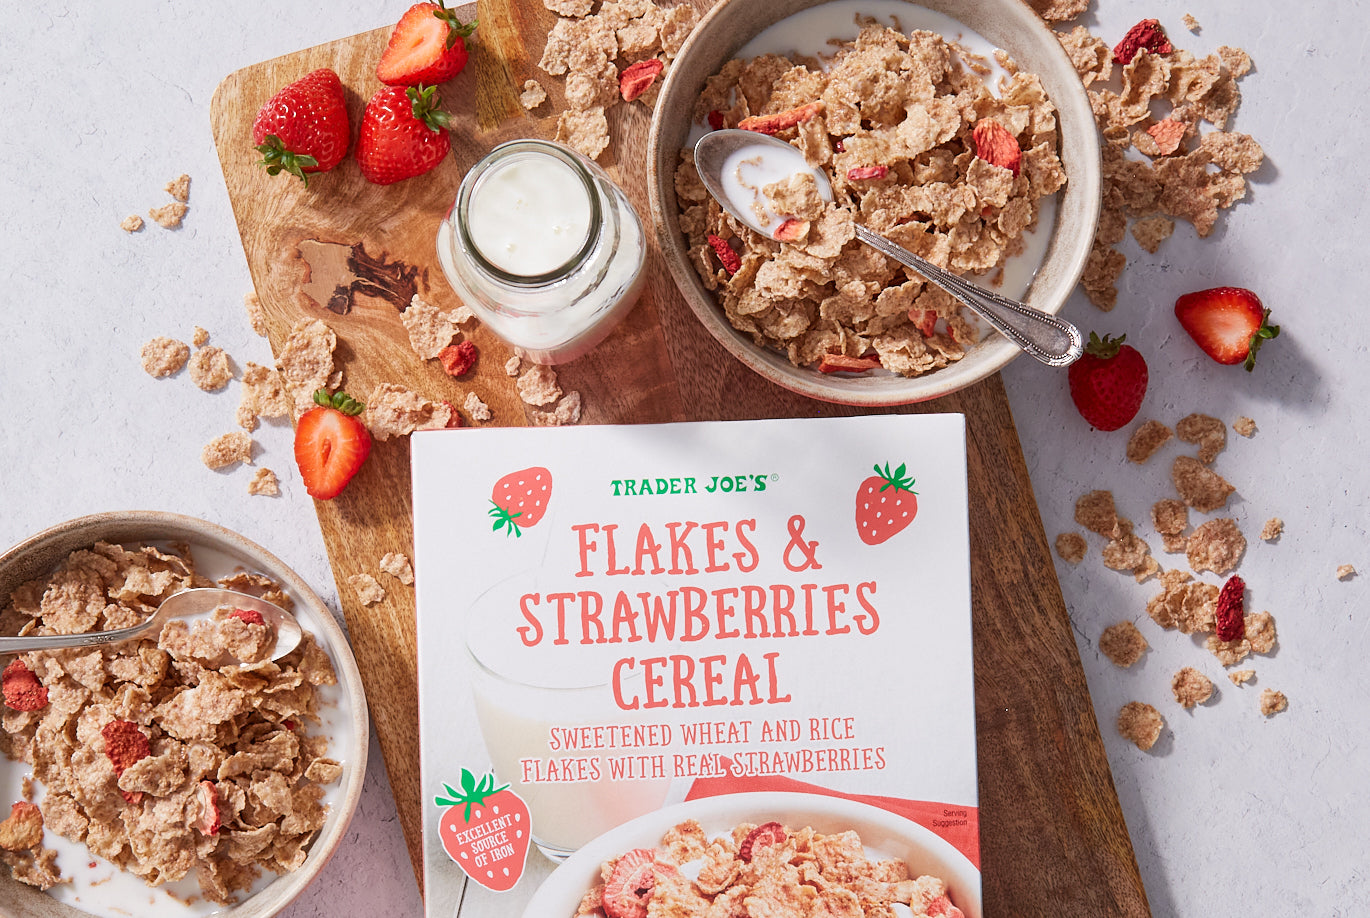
<point x="1051" y="340"/>
<point x="185" y="604"/>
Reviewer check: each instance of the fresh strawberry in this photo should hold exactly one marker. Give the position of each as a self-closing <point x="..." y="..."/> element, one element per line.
<point x="303" y="128"/>
<point x="1108" y="382"/>
<point x="331" y="444"/>
<point x="628" y="888"/>
<point x="1229" y="323"/>
<point x="486" y="830"/>
<point x="427" y="46"/>
<point x="768" y="833"/>
<point x="885" y="504"/>
<point x="520" y="499"/>
<point x="402" y="134"/>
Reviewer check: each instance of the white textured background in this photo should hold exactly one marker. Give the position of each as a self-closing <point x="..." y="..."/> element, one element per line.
<point x="1230" y="813"/>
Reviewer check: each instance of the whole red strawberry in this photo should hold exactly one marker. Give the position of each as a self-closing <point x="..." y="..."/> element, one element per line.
<point x="428" y="45"/>
<point x="303" y="128"/>
<point x="486" y="830"/>
<point x="331" y="444"/>
<point x="1229" y="323"/>
<point x="885" y="504"/>
<point x="402" y="134"/>
<point x="1108" y="382"/>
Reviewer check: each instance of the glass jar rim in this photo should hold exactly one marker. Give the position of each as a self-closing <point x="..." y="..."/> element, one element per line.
<point x="494" y="158"/>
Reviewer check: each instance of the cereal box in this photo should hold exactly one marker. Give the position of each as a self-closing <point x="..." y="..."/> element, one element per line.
<point x="666" y="669"/>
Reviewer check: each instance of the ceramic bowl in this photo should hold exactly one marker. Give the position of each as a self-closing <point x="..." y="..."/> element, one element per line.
<point x="342" y="709"/>
<point x="1008" y="24"/>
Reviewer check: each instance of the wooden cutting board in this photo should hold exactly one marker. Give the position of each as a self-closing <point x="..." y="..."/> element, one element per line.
<point x="1052" y="834"/>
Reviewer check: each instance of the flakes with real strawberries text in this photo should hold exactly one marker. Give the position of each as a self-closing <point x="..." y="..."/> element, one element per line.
<point x="1122" y="643"/>
<point x="164" y="356"/>
<point x="226" y="449"/>
<point x="1141" y="724"/>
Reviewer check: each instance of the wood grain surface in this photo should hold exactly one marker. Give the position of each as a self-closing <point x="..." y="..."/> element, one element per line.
<point x="1053" y="839"/>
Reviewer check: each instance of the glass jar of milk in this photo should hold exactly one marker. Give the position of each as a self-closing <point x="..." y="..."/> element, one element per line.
<point x="544" y="248"/>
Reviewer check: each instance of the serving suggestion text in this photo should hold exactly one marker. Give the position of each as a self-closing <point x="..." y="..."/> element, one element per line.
<point x="693" y="613"/>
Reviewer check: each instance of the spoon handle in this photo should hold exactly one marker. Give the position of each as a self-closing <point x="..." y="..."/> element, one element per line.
<point x="1051" y="340"/>
<point x="63" y="641"/>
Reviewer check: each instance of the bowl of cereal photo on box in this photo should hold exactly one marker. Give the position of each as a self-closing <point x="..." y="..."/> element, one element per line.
<point x="957" y="128"/>
<point x="181" y="774"/>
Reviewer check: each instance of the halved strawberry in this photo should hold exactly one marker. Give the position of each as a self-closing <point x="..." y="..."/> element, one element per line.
<point x="330" y="444"/>
<point x="1229" y="323"/>
<point x="428" y="45"/>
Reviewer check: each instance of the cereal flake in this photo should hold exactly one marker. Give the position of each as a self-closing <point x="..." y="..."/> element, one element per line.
<point x="1122" y="643"/>
<point x="164" y="356"/>
<point x="131" y="224"/>
<point x="226" y="449"/>
<point x="1199" y="486"/>
<point x="369" y="591"/>
<point x="1345" y="572"/>
<point x="1141" y="724"/>
<point x="168" y="216"/>
<point x="306" y="362"/>
<point x="263" y="483"/>
<point x="477" y="409"/>
<point x="209" y="368"/>
<point x="394" y="411"/>
<point x="1209" y="433"/>
<point x="1191" y="687"/>
<point x="1272" y="702"/>
<point x="1216" y="546"/>
<point x="1146" y="439"/>
<point x="1071" y="546"/>
<point x="430" y="329"/>
<point x="1244" y="426"/>
<point x="533" y="95"/>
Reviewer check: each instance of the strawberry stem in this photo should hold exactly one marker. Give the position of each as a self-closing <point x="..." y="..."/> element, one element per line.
<point x="896" y="479"/>
<point x="503" y="518"/>
<point x="277" y="159"/>
<point x="339" y="401"/>
<point x="472" y="793"/>
<point x="1262" y="334"/>
<point x="455" y="28"/>
<point x="1105" y="347"/>
<point x="423" y="102"/>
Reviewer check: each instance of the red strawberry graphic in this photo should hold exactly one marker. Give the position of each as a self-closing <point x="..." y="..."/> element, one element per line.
<point x="485" y="830"/>
<point x="520" y="499"/>
<point x="885" y="504"/>
<point x="629" y="887"/>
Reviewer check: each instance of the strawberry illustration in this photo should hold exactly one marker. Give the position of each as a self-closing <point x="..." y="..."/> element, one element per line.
<point x="885" y="504"/>
<point x="486" y="830"/>
<point x="403" y="134"/>
<point x="1108" y="382"/>
<point x="520" y="499"/>
<point x="1229" y="323"/>
<point x="303" y="128"/>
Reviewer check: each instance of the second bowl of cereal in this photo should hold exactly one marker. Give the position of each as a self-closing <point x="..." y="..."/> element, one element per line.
<point x="958" y="129"/>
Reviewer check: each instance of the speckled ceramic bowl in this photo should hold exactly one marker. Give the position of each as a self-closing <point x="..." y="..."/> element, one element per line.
<point x="343" y="709"/>
<point x="1008" y="24"/>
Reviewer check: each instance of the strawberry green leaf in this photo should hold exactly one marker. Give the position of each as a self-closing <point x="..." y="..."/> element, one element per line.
<point x="505" y="520"/>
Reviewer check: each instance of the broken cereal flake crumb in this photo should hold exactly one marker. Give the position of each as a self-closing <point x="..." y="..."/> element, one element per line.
<point x="1140" y="723"/>
<point x="199" y="337"/>
<point x="1241" y="676"/>
<point x="533" y="95"/>
<point x="1236" y="60"/>
<point x="226" y="449"/>
<point x="1191" y="687"/>
<point x="1190" y="22"/>
<point x="1208" y="433"/>
<point x="1345" y="572"/>
<point x="264" y="483"/>
<point x="1126" y="552"/>
<point x="256" y="316"/>
<point x="369" y="592"/>
<point x="586" y="132"/>
<point x="1273" y="702"/>
<point x="24" y="827"/>
<point x="513" y="366"/>
<point x="1151" y="231"/>
<point x="163" y="356"/>
<point x="263" y="396"/>
<point x="571" y="9"/>
<point x="1096" y="512"/>
<point x="1273" y="529"/>
<point x="1059" y="10"/>
<point x="1071" y="546"/>
<point x="1122" y="643"/>
<point x="131" y="224"/>
<point x="563" y="414"/>
<point x="170" y="215"/>
<point x="1199" y="486"/>
<point x="1146" y="439"/>
<point x="209" y="368"/>
<point x="306" y="361"/>
<point x="538" y="385"/>
<point x="1216" y="546"/>
<point x="397" y="565"/>
<point x="1244" y="426"/>
<point x="478" y="410"/>
<point x="179" y="188"/>
<point x="1170" y="517"/>
<point x="394" y="411"/>
<point x="430" y="330"/>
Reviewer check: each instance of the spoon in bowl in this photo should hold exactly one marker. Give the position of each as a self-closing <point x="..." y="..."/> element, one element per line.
<point x="184" y="604"/>
<point x="719" y="155"/>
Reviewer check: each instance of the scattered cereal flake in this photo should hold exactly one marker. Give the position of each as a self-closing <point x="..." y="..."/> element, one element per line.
<point x="1190" y="22"/>
<point x="1146" y="439"/>
<point x="1345" y="572"/>
<point x="209" y="368"/>
<point x="397" y="565"/>
<point x="538" y="385"/>
<point x="131" y="224"/>
<point x="1244" y="426"/>
<point x="1150" y="232"/>
<point x="1199" y="486"/>
<point x="513" y="366"/>
<point x="478" y="410"/>
<point x="1183" y="603"/>
<point x="263" y="396"/>
<point x="1237" y="61"/>
<point x="586" y="132"/>
<point x="306" y="361"/>
<point x="1126" y="552"/>
<point x="1140" y="723"/>
<point x="1258" y="636"/>
<point x="563" y="414"/>
<point x="369" y="591"/>
<point x="179" y="188"/>
<point x="199" y="337"/>
<point x="1071" y="547"/>
<point x="430" y="329"/>
<point x="1273" y="702"/>
<point x="1209" y="433"/>
<point x="168" y="215"/>
<point x="394" y="411"/>
<point x="226" y="449"/>
<point x="1096" y="512"/>
<point x="1122" y="643"/>
<point x="1191" y="687"/>
<point x="1241" y="676"/>
<point x="1272" y="530"/>
<point x="256" y="316"/>
<point x="1170" y="518"/>
<point x="164" y="356"/>
<point x="24" y="827"/>
<point x="1093" y="58"/>
<point x="263" y="483"/>
<point x="533" y="95"/>
<point x="1216" y="546"/>
<point x="1059" y="10"/>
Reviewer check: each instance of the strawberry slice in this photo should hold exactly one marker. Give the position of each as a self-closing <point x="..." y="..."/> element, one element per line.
<point x="1229" y="323"/>
<point x="630" y="884"/>
<point x="331" y="444"/>
<point x="208" y="821"/>
<point x="768" y="833"/>
<point x="428" y="45"/>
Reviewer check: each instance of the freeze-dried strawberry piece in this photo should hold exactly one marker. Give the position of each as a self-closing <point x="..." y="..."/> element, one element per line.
<point x="768" y="833"/>
<point x="208" y="820"/>
<point x="455" y="420"/>
<point x="251" y="616"/>
<point x="774" y="124"/>
<point x="124" y="744"/>
<point x="1230" y="614"/>
<point x="726" y="256"/>
<point x="941" y="907"/>
<point x="841" y="363"/>
<point x="792" y="230"/>
<point x="24" y="827"/>
<point x="1146" y="35"/>
<point x="1168" y="134"/>
<point x="629" y="886"/>
<point x="638" y="78"/>
<point x="458" y="359"/>
<point x="863" y="173"/>
<point x="133" y="798"/>
<point x="716" y="120"/>
<point x="925" y="320"/>
<point x="21" y="688"/>
<point x="995" y="145"/>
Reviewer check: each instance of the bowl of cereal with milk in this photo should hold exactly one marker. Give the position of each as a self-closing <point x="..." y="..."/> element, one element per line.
<point x="181" y="774"/>
<point x="959" y="130"/>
